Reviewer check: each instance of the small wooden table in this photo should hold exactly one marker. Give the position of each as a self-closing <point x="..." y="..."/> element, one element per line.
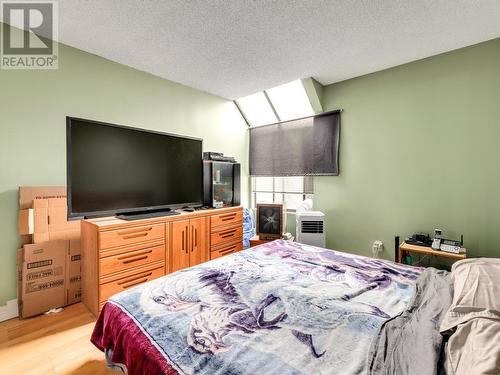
<point x="404" y="247"/>
<point x="255" y="240"/>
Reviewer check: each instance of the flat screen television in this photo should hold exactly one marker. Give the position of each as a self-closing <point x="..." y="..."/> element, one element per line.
<point x="113" y="170"/>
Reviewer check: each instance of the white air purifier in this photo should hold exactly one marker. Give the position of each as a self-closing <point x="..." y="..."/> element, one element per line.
<point x="311" y="228"/>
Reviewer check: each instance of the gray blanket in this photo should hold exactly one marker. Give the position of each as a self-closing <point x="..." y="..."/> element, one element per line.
<point x="411" y="343"/>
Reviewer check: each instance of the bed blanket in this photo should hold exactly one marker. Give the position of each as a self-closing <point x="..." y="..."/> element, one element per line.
<point x="279" y="308"/>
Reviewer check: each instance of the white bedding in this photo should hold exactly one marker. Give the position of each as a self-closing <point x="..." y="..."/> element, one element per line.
<point x="474" y="316"/>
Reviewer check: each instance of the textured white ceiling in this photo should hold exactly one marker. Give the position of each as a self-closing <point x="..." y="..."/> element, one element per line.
<point x="233" y="48"/>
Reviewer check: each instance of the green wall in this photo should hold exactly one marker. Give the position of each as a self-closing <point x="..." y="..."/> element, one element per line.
<point x="33" y="107"/>
<point x="419" y="150"/>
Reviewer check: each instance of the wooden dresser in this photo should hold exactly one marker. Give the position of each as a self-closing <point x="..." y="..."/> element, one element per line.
<point x="119" y="254"/>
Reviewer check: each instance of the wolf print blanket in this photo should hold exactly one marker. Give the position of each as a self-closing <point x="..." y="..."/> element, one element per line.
<point x="279" y="308"/>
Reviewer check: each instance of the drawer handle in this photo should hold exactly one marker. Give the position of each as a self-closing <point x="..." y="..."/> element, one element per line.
<point x="124" y="232"/>
<point x="228" y="231"/>
<point x="227" y="234"/>
<point x="192" y="238"/>
<point x="132" y="260"/>
<point x="227" y="217"/>
<point x="229" y="250"/>
<point x="125" y="286"/>
<point x="125" y="283"/>
<point x="183" y="240"/>
<point x="124" y="257"/>
<point x="135" y="236"/>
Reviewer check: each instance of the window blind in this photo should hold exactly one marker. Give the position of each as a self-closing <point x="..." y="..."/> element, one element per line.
<point x="307" y="146"/>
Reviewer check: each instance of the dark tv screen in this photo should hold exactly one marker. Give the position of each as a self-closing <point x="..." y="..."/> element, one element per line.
<point x="114" y="169"/>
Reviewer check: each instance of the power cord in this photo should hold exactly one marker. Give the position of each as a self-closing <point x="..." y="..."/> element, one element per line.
<point x="422" y="259"/>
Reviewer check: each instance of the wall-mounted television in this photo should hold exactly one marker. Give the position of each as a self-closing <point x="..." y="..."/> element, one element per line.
<point x="119" y="170"/>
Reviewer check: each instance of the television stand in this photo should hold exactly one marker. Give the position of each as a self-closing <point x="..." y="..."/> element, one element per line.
<point x="118" y="254"/>
<point x="146" y="214"/>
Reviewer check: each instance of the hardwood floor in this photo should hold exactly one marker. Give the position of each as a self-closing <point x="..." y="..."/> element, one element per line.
<point x="51" y="344"/>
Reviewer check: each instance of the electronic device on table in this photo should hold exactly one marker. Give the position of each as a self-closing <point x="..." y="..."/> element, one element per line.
<point x="419" y="239"/>
<point x="436" y="242"/>
<point x="221" y="182"/>
<point x="449" y="246"/>
<point x="134" y="173"/>
<point x="218" y="156"/>
<point x="270" y="220"/>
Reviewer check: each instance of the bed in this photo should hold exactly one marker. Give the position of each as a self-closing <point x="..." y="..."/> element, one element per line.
<point x="281" y="308"/>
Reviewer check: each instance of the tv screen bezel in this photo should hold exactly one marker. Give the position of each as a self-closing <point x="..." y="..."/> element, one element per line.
<point x="93" y="214"/>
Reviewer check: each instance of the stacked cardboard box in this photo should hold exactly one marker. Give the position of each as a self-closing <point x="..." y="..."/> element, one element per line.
<point x="43" y="215"/>
<point x="49" y="270"/>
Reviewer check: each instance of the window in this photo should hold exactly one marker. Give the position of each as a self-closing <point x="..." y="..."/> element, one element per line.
<point x="257" y="110"/>
<point x="290" y="101"/>
<point x="288" y="190"/>
<point x="281" y="103"/>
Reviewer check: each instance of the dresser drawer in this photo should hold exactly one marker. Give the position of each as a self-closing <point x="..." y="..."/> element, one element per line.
<point x="226" y="219"/>
<point x="130" y="279"/>
<point x="131" y="257"/>
<point x="226" y="250"/>
<point x="226" y="234"/>
<point x="130" y="236"/>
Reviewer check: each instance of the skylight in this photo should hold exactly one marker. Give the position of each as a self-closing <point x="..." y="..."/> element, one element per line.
<point x="290" y="101"/>
<point x="257" y="110"/>
<point x="281" y="103"/>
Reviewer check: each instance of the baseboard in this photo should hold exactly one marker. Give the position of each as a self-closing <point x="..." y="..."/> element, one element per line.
<point x="9" y="310"/>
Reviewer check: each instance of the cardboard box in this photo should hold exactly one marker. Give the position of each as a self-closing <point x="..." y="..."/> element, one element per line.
<point x="49" y="271"/>
<point x="26" y="222"/>
<point x="49" y="276"/>
<point x="47" y="221"/>
<point x="50" y="221"/>
<point x="41" y="277"/>
<point x="27" y="194"/>
<point x="73" y="272"/>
